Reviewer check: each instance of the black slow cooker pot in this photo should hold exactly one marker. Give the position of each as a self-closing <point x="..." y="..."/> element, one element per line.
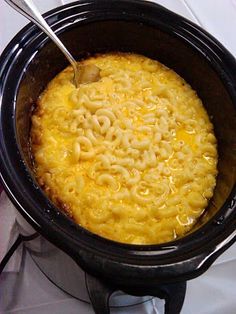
<point x="31" y="60"/>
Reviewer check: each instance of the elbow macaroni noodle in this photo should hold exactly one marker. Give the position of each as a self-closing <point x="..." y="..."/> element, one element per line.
<point x="131" y="157"/>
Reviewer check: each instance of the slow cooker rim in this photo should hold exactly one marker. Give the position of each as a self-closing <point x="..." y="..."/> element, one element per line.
<point x="29" y="28"/>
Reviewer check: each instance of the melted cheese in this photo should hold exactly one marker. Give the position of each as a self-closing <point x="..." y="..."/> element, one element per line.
<point x="131" y="157"/>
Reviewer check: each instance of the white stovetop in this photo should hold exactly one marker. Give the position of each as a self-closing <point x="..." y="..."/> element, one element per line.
<point x="214" y="292"/>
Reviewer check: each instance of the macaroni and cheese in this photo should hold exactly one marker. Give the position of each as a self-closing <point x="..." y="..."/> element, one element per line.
<point x="131" y="157"/>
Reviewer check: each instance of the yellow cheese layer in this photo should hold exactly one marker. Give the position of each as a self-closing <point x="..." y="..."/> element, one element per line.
<point x="131" y="157"/>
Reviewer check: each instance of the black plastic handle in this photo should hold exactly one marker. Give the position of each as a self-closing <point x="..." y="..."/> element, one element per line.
<point x="100" y="292"/>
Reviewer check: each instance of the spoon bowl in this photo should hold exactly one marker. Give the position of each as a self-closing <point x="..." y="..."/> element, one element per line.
<point x="82" y="74"/>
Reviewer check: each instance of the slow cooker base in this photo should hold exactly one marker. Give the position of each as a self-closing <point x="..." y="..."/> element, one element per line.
<point x="100" y="293"/>
<point x="50" y="260"/>
<point x="86" y="288"/>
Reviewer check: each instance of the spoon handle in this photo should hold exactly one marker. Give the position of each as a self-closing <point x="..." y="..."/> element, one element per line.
<point x="31" y="12"/>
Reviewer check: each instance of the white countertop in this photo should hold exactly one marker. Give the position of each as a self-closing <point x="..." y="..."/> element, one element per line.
<point x="30" y="292"/>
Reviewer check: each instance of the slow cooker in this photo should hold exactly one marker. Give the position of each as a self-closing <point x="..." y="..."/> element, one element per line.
<point x="86" y="27"/>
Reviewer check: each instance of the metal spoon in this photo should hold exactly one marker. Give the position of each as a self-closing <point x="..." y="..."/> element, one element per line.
<point x="82" y="74"/>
